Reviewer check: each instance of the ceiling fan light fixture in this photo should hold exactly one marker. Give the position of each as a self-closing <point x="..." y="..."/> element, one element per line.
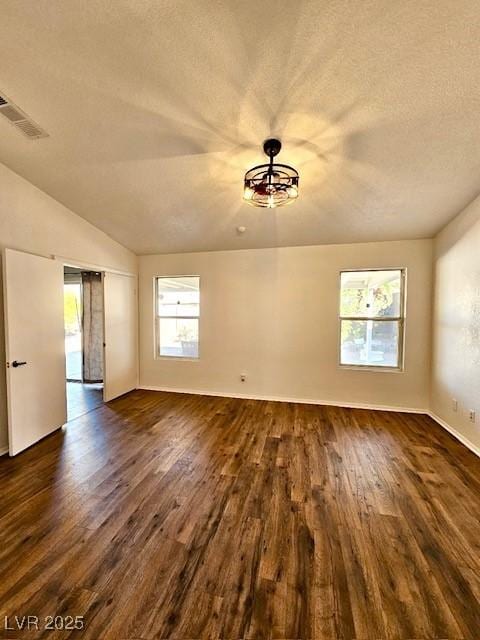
<point x="271" y="185"/>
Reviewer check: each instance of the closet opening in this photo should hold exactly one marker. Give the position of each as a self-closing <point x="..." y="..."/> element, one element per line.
<point x="84" y="340"/>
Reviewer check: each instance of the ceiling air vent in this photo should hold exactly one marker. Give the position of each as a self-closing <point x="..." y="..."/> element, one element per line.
<point x="20" y="119"/>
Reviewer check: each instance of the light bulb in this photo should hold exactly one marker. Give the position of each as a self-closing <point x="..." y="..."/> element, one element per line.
<point x="271" y="202"/>
<point x="248" y="193"/>
<point x="292" y="192"/>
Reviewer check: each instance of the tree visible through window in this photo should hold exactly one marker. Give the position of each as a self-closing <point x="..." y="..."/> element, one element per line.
<point x="177" y="316"/>
<point x="371" y="318"/>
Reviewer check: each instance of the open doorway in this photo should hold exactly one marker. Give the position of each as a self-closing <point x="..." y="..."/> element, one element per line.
<point x="84" y="326"/>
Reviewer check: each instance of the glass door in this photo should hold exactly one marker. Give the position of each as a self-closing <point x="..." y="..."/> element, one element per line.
<point x="73" y="329"/>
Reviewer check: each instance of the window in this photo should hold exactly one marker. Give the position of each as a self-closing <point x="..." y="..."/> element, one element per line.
<point x="177" y="316"/>
<point x="371" y="318"/>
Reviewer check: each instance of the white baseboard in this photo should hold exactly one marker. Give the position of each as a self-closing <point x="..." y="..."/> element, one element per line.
<point x="248" y="396"/>
<point x="456" y="434"/>
<point x="3" y="451"/>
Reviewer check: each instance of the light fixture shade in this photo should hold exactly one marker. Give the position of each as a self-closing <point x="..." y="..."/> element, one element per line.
<point x="271" y="185"/>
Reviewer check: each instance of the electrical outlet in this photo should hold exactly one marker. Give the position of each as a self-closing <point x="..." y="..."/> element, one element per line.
<point x="471" y="415"/>
<point x="454" y="404"/>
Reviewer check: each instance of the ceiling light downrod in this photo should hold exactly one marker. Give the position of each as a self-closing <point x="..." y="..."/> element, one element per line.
<point x="271" y="185"/>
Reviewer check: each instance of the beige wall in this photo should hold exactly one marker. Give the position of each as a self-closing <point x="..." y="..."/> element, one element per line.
<point x="32" y="221"/>
<point x="272" y="314"/>
<point x="456" y="323"/>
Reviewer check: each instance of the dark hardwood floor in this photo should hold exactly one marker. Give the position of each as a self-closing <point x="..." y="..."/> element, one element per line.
<point x="175" y="516"/>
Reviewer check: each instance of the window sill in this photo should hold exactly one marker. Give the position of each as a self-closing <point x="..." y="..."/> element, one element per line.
<point x="178" y="358"/>
<point x="368" y="367"/>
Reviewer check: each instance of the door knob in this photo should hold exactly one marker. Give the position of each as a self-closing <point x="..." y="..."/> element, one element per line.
<point x="18" y="364"/>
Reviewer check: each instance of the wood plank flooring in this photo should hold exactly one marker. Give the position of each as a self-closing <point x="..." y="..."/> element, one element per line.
<point x="176" y="516"/>
<point x="82" y="398"/>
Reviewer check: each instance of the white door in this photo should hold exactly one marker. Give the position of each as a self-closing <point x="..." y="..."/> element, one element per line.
<point x="35" y="347"/>
<point x="121" y="342"/>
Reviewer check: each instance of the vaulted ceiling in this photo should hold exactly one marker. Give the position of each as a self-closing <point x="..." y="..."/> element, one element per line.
<point x="155" y="110"/>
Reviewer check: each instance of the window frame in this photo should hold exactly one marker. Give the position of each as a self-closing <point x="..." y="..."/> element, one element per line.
<point x="157" y="318"/>
<point x="400" y="319"/>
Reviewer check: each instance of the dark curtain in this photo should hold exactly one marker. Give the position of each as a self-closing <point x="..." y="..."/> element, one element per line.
<point x="92" y="326"/>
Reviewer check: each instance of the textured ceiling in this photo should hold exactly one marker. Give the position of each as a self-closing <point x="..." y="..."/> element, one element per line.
<point x="155" y="110"/>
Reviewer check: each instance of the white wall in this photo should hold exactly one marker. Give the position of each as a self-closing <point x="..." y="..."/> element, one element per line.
<point x="272" y="314"/>
<point x="456" y="323"/>
<point x="32" y="221"/>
